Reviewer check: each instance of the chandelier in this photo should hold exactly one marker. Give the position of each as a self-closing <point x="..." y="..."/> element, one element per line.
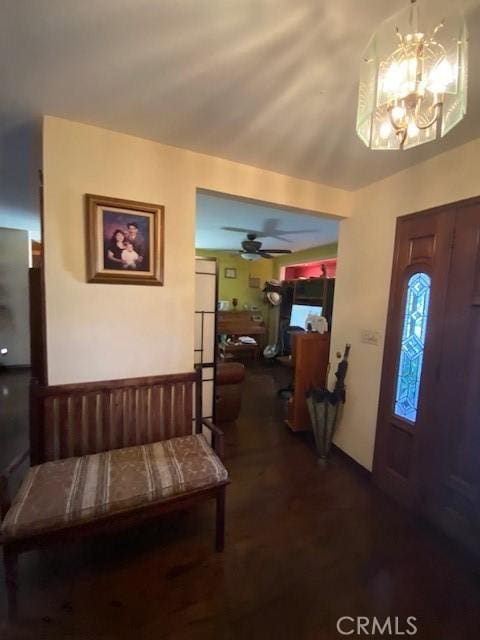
<point x="413" y="81"/>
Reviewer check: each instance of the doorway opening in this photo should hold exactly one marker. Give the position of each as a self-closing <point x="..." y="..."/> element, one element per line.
<point x="274" y="267"/>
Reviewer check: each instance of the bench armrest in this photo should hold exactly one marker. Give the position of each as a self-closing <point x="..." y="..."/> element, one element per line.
<point x="217" y="437"/>
<point x="4" y="477"/>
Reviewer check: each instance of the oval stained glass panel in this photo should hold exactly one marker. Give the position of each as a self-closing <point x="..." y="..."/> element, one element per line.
<point x="412" y="346"/>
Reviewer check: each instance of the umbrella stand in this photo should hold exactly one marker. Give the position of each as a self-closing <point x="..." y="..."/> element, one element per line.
<point x="324" y="417"/>
<point x="324" y="408"/>
<point x="318" y="418"/>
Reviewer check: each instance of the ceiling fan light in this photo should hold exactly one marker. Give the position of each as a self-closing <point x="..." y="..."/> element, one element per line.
<point x="251" y="257"/>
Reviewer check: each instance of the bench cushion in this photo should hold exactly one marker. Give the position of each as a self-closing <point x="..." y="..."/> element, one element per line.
<point x="75" y="490"/>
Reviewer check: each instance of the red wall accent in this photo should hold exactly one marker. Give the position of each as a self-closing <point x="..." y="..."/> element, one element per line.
<point x="311" y="269"/>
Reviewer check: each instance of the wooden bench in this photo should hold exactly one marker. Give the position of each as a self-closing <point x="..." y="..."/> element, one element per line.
<point x="109" y="455"/>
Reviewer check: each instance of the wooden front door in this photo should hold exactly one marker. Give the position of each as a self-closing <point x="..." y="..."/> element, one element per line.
<point x="428" y="434"/>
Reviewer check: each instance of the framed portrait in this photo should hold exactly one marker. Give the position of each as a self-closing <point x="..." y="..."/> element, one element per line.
<point x="230" y="273"/>
<point x="125" y="241"/>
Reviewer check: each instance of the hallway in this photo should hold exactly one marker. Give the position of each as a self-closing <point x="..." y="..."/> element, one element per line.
<point x="304" y="547"/>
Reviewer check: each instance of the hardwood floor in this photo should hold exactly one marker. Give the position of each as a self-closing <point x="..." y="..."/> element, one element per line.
<point x="304" y="546"/>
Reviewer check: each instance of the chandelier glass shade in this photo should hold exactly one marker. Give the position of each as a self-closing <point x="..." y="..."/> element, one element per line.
<point x="413" y="81"/>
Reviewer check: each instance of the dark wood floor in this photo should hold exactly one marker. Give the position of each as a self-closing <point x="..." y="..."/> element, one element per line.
<point x="304" y="547"/>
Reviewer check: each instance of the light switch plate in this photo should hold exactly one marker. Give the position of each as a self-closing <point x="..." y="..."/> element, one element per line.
<point x="369" y="336"/>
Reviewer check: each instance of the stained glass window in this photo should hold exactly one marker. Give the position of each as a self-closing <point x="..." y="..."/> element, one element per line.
<point x="413" y="344"/>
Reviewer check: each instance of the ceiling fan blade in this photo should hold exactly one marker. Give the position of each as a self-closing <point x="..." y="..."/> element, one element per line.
<point x="256" y="233"/>
<point x="239" y="230"/>
<point x="278" y="250"/>
<point x="272" y="229"/>
<point x="280" y="232"/>
<point x="264" y="254"/>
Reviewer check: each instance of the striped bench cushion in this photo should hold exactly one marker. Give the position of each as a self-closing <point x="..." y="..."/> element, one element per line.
<point x="71" y="491"/>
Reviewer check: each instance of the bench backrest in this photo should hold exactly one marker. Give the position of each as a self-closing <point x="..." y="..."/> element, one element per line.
<point x="78" y="419"/>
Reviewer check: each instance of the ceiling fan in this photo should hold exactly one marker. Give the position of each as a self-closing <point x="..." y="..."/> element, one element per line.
<point x="270" y="229"/>
<point x="252" y="249"/>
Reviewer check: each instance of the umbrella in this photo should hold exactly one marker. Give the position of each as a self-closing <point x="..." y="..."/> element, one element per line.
<point x="324" y="408"/>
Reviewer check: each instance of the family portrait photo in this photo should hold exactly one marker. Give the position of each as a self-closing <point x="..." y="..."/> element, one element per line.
<point x="125" y="241"/>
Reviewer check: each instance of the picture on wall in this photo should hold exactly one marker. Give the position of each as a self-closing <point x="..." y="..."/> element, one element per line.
<point x="124" y="241"/>
<point x="230" y="272"/>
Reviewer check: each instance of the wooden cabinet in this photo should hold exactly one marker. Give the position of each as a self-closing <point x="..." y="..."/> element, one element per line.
<point x="309" y="361"/>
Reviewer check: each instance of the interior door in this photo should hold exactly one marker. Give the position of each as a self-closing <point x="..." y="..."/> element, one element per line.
<point x="410" y="367"/>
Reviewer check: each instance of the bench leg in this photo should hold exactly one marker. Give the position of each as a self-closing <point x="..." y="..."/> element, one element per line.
<point x="220" y="520"/>
<point x="10" y="562"/>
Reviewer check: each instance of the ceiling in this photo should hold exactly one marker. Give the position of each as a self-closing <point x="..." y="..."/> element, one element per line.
<point x="275" y="228"/>
<point x="271" y="83"/>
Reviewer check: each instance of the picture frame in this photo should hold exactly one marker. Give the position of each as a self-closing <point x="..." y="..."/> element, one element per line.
<point x="230" y="272"/>
<point x="124" y="241"/>
<point x="253" y="282"/>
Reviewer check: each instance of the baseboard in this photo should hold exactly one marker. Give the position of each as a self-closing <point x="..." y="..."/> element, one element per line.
<point x="15" y="367"/>
<point x="353" y="463"/>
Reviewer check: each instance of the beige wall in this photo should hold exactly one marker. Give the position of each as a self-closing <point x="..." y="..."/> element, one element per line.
<point x="363" y="276"/>
<point x="108" y="331"/>
<point x="14" y="311"/>
<point x="97" y="331"/>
